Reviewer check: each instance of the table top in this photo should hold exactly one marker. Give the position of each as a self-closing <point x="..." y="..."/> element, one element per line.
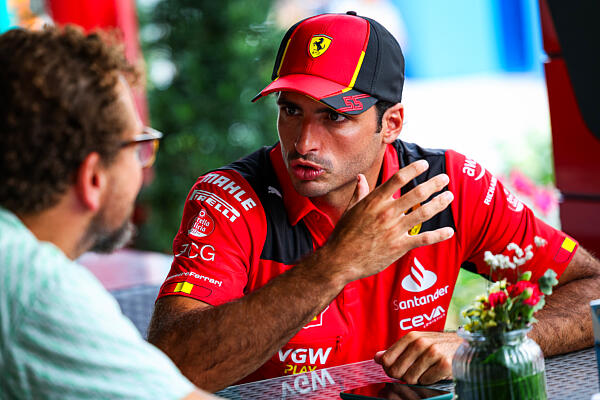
<point x="572" y="376"/>
<point x="569" y="376"/>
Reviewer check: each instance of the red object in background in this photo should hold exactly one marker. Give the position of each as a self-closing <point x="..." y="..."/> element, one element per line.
<point x="572" y="49"/>
<point x="104" y="14"/>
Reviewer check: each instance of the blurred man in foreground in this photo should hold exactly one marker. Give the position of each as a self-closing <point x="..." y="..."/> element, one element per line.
<point x="72" y="149"/>
<point x="272" y="274"/>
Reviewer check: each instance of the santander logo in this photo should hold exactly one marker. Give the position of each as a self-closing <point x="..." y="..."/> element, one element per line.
<point x="419" y="278"/>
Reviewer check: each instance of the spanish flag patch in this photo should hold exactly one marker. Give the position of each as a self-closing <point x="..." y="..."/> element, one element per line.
<point x="565" y="251"/>
<point x="184" y="287"/>
<point x="197" y="291"/>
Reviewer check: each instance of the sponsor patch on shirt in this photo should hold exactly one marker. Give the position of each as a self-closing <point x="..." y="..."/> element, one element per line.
<point x="565" y="250"/>
<point x="202" y="225"/>
<point x="513" y="203"/>
<point x="419" y="278"/>
<point x="473" y="169"/>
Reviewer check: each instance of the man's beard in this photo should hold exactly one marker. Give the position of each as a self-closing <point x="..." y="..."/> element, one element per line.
<point x="104" y="240"/>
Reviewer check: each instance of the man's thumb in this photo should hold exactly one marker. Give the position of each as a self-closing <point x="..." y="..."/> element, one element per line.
<point x="361" y="190"/>
<point x="379" y="357"/>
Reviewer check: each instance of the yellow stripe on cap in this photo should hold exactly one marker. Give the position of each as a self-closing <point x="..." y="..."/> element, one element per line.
<point x="568" y="244"/>
<point x="283" y="56"/>
<point x="356" y="71"/>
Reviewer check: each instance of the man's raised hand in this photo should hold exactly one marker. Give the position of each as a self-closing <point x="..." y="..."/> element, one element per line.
<point x="373" y="233"/>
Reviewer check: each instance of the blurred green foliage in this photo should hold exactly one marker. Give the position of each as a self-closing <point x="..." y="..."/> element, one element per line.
<point x="468" y="286"/>
<point x="205" y="60"/>
<point x="535" y="159"/>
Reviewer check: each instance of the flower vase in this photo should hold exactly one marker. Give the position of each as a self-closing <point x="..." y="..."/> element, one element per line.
<point x="503" y="365"/>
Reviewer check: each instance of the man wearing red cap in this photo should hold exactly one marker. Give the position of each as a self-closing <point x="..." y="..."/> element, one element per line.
<point x="283" y="263"/>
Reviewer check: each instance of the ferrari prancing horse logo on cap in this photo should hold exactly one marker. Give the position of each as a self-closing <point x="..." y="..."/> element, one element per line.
<point x="318" y="45"/>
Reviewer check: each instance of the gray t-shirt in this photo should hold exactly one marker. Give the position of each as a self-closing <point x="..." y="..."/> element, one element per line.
<point x="62" y="336"/>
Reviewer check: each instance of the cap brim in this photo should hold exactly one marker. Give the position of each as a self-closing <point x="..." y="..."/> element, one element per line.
<point x="329" y="93"/>
<point x="310" y="85"/>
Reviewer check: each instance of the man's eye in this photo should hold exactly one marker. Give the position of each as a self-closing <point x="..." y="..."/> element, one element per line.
<point x="289" y="110"/>
<point x="337" y="117"/>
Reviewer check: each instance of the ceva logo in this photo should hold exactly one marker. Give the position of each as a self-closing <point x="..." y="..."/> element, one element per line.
<point x="423" y="320"/>
<point x="419" y="278"/>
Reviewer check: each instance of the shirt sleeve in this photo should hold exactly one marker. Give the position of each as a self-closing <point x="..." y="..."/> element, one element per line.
<point x="219" y="241"/>
<point x="73" y="342"/>
<point x="489" y="217"/>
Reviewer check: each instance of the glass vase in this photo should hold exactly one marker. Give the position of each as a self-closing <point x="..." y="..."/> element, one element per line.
<point x="502" y="366"/>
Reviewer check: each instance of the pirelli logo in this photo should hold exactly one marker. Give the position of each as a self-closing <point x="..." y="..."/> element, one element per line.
<point x="216" y="203"/>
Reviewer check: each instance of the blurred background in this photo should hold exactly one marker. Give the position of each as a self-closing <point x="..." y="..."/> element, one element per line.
<point x="474" y="83"/>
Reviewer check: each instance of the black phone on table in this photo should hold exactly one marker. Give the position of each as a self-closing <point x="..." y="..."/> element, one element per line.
<point x="395" y="391"/>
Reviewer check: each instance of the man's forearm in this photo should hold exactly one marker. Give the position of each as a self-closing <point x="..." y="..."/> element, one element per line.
<point x="216" y="347"/>
<point x="564" y="324"/>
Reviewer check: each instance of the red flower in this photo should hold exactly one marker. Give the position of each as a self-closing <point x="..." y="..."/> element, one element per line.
<point x="532" y="288"/>
<point x="497" y="298"/>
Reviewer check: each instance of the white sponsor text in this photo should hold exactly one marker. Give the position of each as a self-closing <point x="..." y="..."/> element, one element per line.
<point x="419" y="301"/>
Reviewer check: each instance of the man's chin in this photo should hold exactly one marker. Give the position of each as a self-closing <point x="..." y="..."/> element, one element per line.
<point x="310" y="188"/>
<point x="107" y="242"/>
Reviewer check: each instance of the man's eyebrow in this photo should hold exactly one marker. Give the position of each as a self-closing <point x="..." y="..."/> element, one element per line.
<point x="283" y="102"/>
<point x="322" y="110"/>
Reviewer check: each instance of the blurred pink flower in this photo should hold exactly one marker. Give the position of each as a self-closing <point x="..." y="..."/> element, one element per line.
<point x="544" y="199"/>
<point x="497" y="298"/>
<point x="522" y="183"/>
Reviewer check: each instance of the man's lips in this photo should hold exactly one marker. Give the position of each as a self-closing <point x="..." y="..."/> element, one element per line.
<point x="306" y="171"/>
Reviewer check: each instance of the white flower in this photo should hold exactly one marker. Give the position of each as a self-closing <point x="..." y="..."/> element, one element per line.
<point x="516" y="248"/>
<point x="490" y="259"/>
<point x="521" y="256"/>
<point x="539" y="242"/>
<point x="519" y="261"/>
<point x="498" y="261"/>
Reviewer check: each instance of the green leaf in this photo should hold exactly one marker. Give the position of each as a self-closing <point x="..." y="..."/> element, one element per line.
<point x="540" y="304"/>
<point x="525" y="276"/>
<point x="547" y="281"/>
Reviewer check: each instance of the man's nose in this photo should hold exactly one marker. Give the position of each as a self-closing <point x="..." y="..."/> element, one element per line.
<point x="308" y="138"/>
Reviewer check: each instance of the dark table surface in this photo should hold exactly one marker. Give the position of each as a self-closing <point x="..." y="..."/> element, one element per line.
<point x="570" y="376"/>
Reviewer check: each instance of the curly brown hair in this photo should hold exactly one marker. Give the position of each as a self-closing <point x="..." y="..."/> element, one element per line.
<point x="57" y="105"/>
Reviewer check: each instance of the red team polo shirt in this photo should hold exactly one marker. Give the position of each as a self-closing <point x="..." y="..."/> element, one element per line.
<point x="245" y="224"/>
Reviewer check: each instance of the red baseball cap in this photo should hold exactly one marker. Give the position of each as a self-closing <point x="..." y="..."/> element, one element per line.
<point x="346" y="61"/>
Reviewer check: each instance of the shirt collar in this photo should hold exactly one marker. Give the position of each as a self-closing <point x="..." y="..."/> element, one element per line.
<point x="298" y="206"/>
<point x="390" y="166"/>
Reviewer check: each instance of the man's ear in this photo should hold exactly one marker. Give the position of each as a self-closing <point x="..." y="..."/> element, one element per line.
<point x="391" y="123"/>
<point x="90" y="181"/>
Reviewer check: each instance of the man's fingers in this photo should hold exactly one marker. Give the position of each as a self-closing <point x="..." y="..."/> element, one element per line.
<point x="396" y="359"/>
<point x="378" y="358"/>
<point x="430" y="209"/>
<point x="431" y="237"/>
<point x="420" y="357"/>
<point x="422" y="192"/>
<point x="402" y="177"/>
<point x="360" y="192"/>
<point x="437" y="372"/>
<point x="429" y="356"/>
